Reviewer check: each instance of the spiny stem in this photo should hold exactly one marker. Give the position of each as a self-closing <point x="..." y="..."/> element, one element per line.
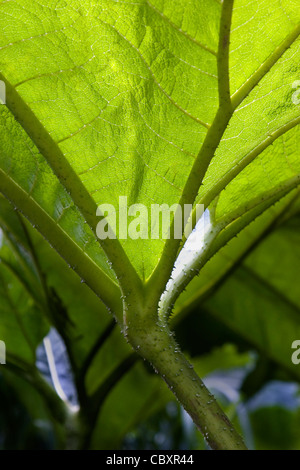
<point x="154" y="341"/>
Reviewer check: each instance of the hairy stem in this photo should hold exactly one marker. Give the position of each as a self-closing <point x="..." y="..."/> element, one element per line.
<point x="154" y="341"/>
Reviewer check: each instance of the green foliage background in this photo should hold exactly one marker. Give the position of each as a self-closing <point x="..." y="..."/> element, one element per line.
<point x="155" y="101"/>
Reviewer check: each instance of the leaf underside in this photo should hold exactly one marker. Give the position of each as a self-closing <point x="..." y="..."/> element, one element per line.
<point x="126" y="96"/>
<point x="128" y="92"/>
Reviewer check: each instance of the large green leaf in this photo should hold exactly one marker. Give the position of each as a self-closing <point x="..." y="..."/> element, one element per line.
<point x="162" y="102"/>
<point x="117" y="85"/>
